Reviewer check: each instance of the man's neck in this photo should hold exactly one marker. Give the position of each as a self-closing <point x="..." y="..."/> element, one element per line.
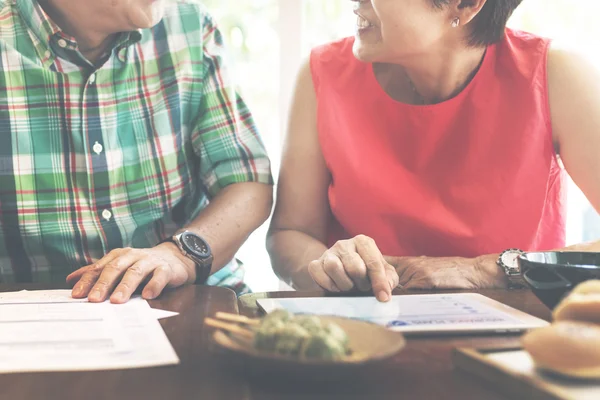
<point x="94" y="50"/>
<point x="92" y="44"/>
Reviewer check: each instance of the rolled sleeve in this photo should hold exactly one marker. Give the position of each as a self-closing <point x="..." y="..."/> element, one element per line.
<point x="225" y="137"/>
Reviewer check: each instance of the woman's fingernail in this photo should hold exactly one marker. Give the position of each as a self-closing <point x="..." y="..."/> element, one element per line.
<point x="383" y="296"/>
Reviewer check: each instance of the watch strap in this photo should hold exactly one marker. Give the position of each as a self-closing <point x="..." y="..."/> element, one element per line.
<point x="516" y="282"/>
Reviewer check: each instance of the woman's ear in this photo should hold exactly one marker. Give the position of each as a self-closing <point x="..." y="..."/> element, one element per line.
<point x="465" y="10"/>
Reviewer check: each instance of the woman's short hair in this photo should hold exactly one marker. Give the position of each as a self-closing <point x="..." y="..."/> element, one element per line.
<point x="490" y="23"/>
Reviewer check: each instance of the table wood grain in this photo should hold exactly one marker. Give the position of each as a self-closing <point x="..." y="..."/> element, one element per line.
<point x="422" y="371"/>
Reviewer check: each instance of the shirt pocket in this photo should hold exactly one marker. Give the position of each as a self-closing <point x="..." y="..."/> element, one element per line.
<point x="153" y="163"/>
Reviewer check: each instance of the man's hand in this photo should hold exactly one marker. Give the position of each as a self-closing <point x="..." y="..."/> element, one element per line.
<point x="355" y="263"/>
<point x="448" y="272"/>
<point x="122" y="271"/>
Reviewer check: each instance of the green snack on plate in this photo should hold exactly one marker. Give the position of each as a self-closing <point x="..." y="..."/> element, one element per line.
<point x="311" y="323"/>
<point x="336" y="332"/>
<point x="290" y="339"/>
<point x="275" y="317"/>
<point x="324" y="347"/>
<point x="265" y="338"/>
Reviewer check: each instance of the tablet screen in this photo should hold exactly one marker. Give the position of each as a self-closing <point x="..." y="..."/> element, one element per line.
<point x="427" y="313"/>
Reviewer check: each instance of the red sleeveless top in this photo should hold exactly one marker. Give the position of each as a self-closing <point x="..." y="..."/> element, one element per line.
<point x="474" y="175"/>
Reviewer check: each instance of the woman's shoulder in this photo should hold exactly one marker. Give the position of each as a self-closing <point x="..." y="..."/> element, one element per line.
<point x="332" y="55"/>
<point x="522" y="54"/>
<point x="522" y="40"/>
<point x="338" y="49"/>
<point x="334" y="62"/>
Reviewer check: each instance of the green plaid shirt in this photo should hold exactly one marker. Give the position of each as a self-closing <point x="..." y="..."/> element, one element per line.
<point x="118" y="155"/>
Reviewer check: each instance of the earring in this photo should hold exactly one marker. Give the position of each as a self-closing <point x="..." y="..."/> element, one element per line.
<point x="456" y="22"/>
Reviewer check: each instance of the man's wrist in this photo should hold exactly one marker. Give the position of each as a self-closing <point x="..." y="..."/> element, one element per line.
<point x="188" y="263"/>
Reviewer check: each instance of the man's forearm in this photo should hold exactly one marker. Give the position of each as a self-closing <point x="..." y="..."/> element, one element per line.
<point x="231" y="217"/>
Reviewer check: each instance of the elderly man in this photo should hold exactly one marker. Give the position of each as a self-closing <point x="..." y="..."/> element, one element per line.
<point x="127" y="158"/>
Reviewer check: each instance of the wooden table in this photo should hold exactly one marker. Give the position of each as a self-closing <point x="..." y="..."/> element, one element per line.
<point x="422" y="371"/>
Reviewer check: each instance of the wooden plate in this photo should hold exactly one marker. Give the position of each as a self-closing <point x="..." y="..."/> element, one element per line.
<point x="371" y="344"/>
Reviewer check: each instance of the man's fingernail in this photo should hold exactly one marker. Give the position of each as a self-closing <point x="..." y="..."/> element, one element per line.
<point x="95" y="295"/>
<point x="118" y="296"/>
<point x="383" y="296"/>
<point x="148" y="295"/>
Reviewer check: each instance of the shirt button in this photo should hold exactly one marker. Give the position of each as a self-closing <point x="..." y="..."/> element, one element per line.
<point x="107" y="215"/>
<point x="62" y="43"/>
<point x="47" y="54"/>
<point x="92" y="79"/>
<point x="97" y="148"/>
<point x="123" y="55"/>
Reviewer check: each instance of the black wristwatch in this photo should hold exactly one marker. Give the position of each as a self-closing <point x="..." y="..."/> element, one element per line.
<point x="196" y="249"/>
<point x="509" y="262"/>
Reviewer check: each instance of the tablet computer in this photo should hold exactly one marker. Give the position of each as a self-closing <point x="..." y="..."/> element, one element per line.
<point x="458" y="313"/>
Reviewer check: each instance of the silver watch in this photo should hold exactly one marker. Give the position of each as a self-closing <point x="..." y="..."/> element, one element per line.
<point x="196" y="249"/>
<point x="509" y="262"/>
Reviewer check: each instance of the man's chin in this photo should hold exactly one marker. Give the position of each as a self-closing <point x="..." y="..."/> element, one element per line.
<point x="148" y="19"/>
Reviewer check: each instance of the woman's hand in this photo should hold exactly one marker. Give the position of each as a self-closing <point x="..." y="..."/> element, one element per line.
<point x="448" y="272"/>
<point x="355" y="263"/>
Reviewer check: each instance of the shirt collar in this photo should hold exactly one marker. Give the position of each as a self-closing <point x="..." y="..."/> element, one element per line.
<point x="46" y="35"/>
<point x="40" y="26"/>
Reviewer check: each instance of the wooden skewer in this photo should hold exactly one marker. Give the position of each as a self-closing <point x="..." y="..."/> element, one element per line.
<point x="235" y="329"/>
<point x="237" y="318"/>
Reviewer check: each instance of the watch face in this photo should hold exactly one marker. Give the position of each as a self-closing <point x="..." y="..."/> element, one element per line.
<point x="195" y="244"/>
<point x="510" y="259"/>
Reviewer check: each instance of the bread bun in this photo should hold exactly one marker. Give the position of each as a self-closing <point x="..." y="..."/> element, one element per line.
<point x="579" y="307"/>
<point x="588" y="287"/>
<point x="583" y="304"/>
<point x="567" y="348"/>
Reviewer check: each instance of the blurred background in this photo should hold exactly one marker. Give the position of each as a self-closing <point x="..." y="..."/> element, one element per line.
<point x="268" y="39"/>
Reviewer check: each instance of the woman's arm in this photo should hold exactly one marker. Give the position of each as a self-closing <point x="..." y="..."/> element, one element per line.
<point x="298" y="235"/>
<point x="298" y="230"/>
<point x="574" y="87"/>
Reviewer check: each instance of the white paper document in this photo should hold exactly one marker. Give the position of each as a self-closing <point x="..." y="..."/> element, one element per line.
<point x="49" y="331"/>
<point x="162" y="314"/>
<point x="62" y="296"/>
<point x="428" y="313"/>
<point x="53" y="329"/>
<point x="39" y="296"/>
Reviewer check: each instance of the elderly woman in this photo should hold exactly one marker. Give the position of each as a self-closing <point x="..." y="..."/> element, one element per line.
<point x="429" y="150"/>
